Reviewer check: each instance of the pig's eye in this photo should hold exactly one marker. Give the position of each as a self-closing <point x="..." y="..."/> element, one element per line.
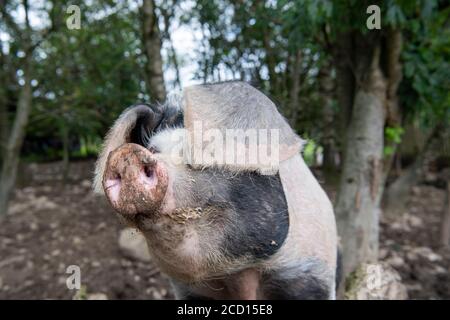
<point x="153" y="149"/>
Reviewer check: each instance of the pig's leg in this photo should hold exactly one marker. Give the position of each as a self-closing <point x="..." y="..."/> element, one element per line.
<point x="304" y="287"/>
<point x="296" y="283"/>
<point x="287" y="284"/>
<point x="184" y="292"/>
<point x="241" y="285"/>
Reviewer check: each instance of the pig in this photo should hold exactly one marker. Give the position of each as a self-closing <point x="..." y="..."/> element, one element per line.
<point x="220" y="231"/>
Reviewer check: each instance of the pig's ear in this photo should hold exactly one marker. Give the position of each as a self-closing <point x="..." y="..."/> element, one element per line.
<point x="237" y="105"/>
<point x="135" y="125"/>
<point x="148" y="119"/>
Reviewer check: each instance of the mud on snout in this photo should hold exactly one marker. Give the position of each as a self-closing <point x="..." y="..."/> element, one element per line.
<point x="134" y="181"/>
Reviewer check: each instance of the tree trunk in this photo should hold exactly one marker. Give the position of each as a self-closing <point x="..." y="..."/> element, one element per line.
<point x="4" y="125"/>
<point x="66" y="154"/>
<point x="362" y="182"/>
<point x="393" y="70"/>
<point x="345" y="84"/>
<point x="152" y="49"/>
<point x="397" y="193"/>
<point x="445" y="224"/>
<point x="15" y="141"/>
<point x="270" y="62"/>
<point x="394" y="43"/>
<point x="330" y="150"/>
<point x="358" y="201"/>
<point x="166" y="15"/>
<point x="295" y="88"/>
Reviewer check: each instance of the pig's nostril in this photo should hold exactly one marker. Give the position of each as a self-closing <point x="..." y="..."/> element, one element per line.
<point x="148" y="171"/>
<point x="148" y="176"/>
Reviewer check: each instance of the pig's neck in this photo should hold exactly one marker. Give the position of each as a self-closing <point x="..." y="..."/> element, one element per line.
<point x="185" y="243"/>
<point x="242" y="285"/>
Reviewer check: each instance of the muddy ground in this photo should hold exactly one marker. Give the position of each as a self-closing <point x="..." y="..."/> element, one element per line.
<point x="51" y="226"/>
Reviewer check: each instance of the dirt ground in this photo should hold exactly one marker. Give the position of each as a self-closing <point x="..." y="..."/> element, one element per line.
<point x="51" y="226"/>
<point x="409" y="244"/>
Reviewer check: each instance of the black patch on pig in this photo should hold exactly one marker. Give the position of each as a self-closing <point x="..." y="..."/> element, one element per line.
<point x="300" y="285"/>
<point x="261" y="213"/>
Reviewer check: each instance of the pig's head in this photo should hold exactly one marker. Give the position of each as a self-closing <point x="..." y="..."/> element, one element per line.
<point x="152" y="189"/>
<point x="132" y="171"/>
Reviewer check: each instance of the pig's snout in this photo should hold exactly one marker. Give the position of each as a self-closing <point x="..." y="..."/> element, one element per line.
<point x="134" y="181"/>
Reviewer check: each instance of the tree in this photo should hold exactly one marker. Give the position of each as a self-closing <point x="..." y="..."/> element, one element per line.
<point x="329" y="139"/>
<point x="445" y="224"/>
<point x="151" y="40"/>
<point x="4" y="125"/>
<point x="358" y="201"/>
<point x="16" y="135"/>
<point x="77" y="81"/>
<point x="374" y="58"/>
<point x="85" y="79"/>
<point x="424" y="96"/>
<point x="167" y="9"/>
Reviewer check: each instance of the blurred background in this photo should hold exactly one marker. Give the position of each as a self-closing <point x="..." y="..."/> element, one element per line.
<point x="367" y="87"/>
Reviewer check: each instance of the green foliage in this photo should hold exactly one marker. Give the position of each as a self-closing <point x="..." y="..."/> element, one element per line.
<point x="309" y="151"/>
<point x="83" y="79"/>
<point x="425" y="88"/>
<point x="394" y="134"/>
<point x="393" y="137"/>
<point x="89" y="146"/>
<point x="81" y="294"/>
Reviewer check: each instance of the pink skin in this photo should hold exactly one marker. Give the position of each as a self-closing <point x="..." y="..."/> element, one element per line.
<point x="147" y="178"/>
<point x="112" y="188"/>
